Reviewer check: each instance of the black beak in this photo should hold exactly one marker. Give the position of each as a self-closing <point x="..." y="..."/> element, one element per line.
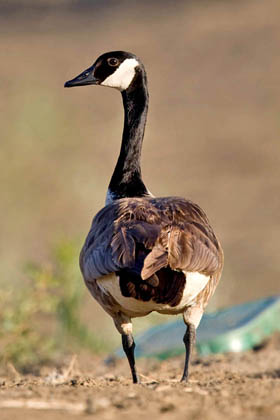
<point x="85" y="78"/>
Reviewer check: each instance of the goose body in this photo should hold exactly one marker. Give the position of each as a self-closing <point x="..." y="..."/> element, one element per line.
<point x="143" y="253"/>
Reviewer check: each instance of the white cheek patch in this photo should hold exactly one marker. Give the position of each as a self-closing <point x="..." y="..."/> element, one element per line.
<point x="123" y="76"/>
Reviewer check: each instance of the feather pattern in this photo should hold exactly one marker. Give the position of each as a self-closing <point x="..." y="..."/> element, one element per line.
<point x="144" y="235"/>
<point x="123" y="247"/>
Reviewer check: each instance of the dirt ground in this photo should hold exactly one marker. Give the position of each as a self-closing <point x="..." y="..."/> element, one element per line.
<point x="231" y="386"/>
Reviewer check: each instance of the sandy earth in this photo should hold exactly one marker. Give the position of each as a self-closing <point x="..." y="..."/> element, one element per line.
<point x="222" y="386"/>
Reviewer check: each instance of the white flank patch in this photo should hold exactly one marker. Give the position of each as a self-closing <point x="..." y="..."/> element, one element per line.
<point x="123" y="76"/>
<point x="194" y="284"/>
<point x="110" y="284"/>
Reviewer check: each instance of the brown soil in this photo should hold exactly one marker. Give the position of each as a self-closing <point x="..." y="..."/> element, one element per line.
<point x="228" y="386"/>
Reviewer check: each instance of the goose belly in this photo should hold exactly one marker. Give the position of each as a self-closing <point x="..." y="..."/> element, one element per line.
<point x="195" y="283"/>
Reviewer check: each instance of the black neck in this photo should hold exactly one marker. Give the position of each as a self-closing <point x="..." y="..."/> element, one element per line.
<point x="126" y="180"/>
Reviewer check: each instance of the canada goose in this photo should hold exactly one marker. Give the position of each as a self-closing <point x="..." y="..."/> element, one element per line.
<point x="145" y="254"/>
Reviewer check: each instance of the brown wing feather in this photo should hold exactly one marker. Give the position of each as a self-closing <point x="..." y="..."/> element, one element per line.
<point x="123" y="247"/>
<point x="173" y="231"/>
<point x="192" y="250"/>
<point x="187" y="240"/>
<point x="156" y="259"/>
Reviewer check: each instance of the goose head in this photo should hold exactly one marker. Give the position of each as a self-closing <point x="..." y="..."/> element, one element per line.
<point x="116" y="69"/>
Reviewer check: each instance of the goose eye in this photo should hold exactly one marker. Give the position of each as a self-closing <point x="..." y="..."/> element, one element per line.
<point x="113" y="62"/>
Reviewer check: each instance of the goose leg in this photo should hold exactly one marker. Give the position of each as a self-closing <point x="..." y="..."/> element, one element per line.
<point x="189" y="341"/>
<point x="128" y="347"/>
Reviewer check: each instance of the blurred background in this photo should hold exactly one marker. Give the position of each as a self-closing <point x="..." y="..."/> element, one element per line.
<point x="212" y="136"/>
